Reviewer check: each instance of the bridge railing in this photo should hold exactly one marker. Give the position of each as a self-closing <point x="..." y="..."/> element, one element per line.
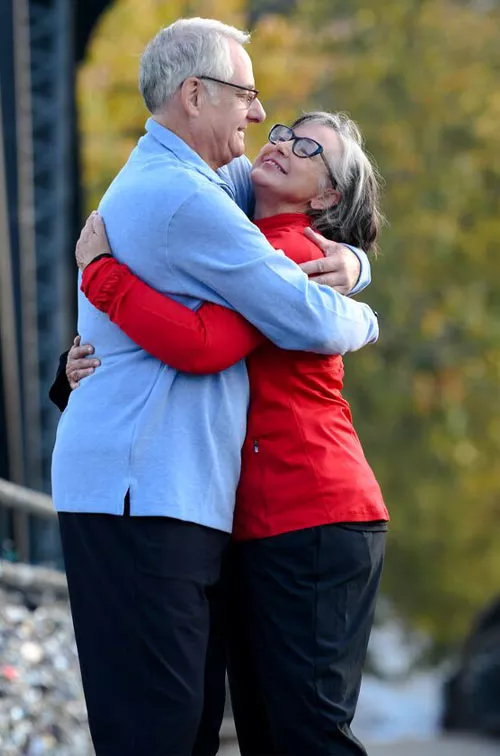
<point x="24" y="502"/>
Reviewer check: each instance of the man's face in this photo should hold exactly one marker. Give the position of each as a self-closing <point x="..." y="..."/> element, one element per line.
<point x="225" y="119"/>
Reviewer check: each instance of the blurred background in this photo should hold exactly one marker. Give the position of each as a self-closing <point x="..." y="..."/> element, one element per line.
<point x="421" y="78"/>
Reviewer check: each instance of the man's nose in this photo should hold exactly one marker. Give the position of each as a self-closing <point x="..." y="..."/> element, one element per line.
<point x="256" y="112"/>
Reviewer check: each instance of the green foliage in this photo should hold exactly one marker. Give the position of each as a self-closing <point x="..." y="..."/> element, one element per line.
<point x="421" y="78"/>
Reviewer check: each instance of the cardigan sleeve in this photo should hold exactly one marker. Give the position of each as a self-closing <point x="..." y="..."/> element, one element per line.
<point x="205" y="341"/>
<point x="60" y="390"/>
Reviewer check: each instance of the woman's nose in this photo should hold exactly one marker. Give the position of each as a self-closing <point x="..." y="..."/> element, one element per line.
<point x="284" y="147"/>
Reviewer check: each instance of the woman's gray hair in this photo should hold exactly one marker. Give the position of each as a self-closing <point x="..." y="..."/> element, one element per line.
<point x="356" y="219"/>
<point x="188" y="47"/>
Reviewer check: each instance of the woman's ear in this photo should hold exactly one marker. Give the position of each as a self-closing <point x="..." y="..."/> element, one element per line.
<point x="190" y="96"/>
<point x="328" y="198"/>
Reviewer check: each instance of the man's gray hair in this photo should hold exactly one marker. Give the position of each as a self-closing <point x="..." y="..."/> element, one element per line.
<point x="188" y="47"/>
<point x="356" y="219"/>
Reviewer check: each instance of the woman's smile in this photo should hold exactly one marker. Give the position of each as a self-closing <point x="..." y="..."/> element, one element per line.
<point x="270" y="162"/>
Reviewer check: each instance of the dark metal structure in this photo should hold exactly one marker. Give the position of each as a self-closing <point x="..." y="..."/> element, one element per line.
<point x="41" y="42"/>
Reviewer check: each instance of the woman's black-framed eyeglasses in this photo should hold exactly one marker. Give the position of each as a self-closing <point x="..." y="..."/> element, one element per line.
<point x="302" y="147"/>
<point x="252" y="93"/>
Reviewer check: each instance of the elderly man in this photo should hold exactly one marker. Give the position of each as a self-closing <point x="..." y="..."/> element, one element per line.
<point x="146" y="460"/>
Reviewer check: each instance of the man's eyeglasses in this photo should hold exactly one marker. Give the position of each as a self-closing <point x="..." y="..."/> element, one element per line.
<point x="252" y="94"/>
<point x="302" y="147"/>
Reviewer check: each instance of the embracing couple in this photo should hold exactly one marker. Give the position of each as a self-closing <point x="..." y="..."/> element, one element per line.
<point x="213" y="406"/>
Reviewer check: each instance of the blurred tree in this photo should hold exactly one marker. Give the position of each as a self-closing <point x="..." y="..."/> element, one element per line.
<point x="421" y="78"/>
<point x="258" y="8"/>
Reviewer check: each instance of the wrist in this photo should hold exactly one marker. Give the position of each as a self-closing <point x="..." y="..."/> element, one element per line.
<point x="364" y="277"/>
<point x="96" y="258"/>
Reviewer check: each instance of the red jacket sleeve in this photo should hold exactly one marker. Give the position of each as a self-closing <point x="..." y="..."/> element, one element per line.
<point x="207" y="341"/>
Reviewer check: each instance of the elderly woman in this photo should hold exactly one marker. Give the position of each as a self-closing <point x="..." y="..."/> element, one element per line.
<point x="310" y="522"/>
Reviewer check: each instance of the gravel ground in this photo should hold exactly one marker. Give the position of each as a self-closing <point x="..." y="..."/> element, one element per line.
<point x="42" y="710"/>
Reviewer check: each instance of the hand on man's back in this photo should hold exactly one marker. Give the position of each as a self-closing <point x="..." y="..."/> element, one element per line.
<point x="79" y="365"/>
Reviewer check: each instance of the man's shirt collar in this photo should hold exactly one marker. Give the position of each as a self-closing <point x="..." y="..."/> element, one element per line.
<point x="185" y="153"/>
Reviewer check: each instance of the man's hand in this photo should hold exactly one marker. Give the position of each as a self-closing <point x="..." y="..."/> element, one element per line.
<point x="92" y="242"/>
<point x="78" y="364"/>
<point x="339" y="268"/>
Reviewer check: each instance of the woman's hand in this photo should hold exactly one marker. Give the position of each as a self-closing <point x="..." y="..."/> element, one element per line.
<point x="78" y="364"/>
<point x="93" y="241"/>
<point x="339" y="268"/>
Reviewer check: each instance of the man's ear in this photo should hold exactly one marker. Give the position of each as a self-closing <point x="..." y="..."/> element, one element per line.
<point x="191" y="95"/>
<point x="328" y="198"/>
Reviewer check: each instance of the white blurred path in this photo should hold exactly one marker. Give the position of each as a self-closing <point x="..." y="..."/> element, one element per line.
<point x="458" y="746"/>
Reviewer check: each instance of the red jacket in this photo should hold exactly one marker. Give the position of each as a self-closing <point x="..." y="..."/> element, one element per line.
<point x="302" y="462"/>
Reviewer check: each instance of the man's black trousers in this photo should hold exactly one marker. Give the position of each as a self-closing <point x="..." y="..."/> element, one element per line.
<point x="140" y="593"/>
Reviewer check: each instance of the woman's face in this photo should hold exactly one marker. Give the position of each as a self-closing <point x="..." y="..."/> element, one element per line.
<point x="278" y="173"/>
